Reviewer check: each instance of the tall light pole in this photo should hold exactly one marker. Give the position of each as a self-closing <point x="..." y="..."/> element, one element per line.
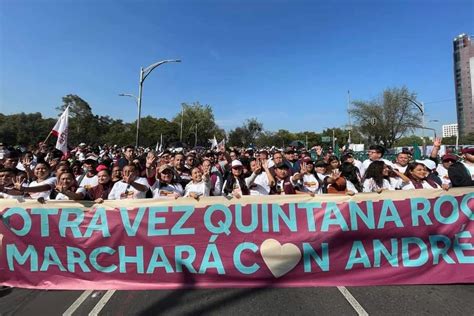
<point x="182" y="115"/>
<point x="420" y="106"/>
<point x="434" y="130"/>
<point x="144" y="72"/>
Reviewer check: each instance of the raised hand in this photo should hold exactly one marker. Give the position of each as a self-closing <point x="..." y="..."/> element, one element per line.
<point x="437" y="142"/>
<point x="150" y="160"/>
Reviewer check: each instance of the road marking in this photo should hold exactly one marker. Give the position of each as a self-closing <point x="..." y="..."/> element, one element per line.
<point x="77" y="303"/>
<point x="351" y="299"/>
<point x="96" y="310"/>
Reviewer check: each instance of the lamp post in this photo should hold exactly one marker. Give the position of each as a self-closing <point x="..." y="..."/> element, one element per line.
<point x="420" y="106"/>
<point x="434" y="130"/>
<point x="144" y="72"/>
<point x="136" y="102"/>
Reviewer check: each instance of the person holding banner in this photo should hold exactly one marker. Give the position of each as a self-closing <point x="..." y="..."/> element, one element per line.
<point x="7" y="180"/>
<point x="377" y="178"/>
<point x="130" y="187"/>
<point x="234" y="185"/>
<point x="200" y="184"/>
<point x="101" y="191"/>
<point x="67" y="188"/>
<point x="166" y="185"/>
<point x="417" y="173"/>
<point x="284" y="183"/>
<point x="259" y="182"/>
<point x="42" y="186"/>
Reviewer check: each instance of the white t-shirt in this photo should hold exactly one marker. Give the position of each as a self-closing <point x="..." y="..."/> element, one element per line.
<point x="201" y="188"/>
<point x="64" y="197"/>
<point x="443" y="174"/>
<point x="351" y="187"/>
<point x="88" y="182"/>
<point x="400" y="168"/>
<point x="44" y="194"/>
<point x="122" y="190"/>
<point x="310" y="183"/>
<point x="166" y="190"/>
<point x="6" y="196"/>
<point x="369" y="185"/>
<point x="367" y="163"/>
<point x="259" y="186"/>
<point x="425" y="184"/>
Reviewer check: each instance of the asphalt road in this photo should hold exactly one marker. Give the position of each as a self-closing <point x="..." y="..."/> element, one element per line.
<point x="385" y="300"/>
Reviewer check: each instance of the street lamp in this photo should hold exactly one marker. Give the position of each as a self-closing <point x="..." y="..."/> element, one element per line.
<point x="131" y="96"/>
<point x="144" y="72"/>
<point x="434" y="130"/>
<point x="421" y="107"/>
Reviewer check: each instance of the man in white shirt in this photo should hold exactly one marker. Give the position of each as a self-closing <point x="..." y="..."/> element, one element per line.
<point x="130" y="187"/>
<point x="401" y="162"/>
<point x="376" y="153"/>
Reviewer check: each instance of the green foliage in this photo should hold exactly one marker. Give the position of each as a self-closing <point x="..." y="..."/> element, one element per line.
<point x="467" y="139"/>
<point x="247" y="134"/>
<point x="387" y="118"/>
<point x="409" y="141"/>
<point x="24" y="129"/>
<point x="201" y="116"/>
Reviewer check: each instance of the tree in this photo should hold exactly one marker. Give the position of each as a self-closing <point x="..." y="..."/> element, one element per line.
<point x="387" y="118"/>
<point x="246" y="134"/>
<point x="203" y="117"/>
<point x="409" y="141"/>
<point x="83" y="124"/>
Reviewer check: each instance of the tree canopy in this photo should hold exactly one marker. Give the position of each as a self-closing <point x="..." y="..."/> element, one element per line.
<point x="388" y="117"/>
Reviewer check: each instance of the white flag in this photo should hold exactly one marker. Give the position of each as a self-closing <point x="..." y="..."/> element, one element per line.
<point x="60" y="130"/>
<point x="213" y="142"/>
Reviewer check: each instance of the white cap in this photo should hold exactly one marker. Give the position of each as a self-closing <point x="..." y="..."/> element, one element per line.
<point x="430" y="164"/>
<point x="236" y="163"/>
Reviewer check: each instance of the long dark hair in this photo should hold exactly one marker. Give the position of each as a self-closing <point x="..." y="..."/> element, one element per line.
<point x="375" y="171"/>
<point x="418" y="184"/>
<point x="350" y="172"/>
<point x="230" y="180"/>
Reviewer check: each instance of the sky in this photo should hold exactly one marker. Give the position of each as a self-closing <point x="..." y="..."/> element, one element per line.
<point x="290" y="64"/>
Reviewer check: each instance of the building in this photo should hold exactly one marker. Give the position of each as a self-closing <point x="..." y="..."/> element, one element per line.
<point x="464" y="83"/>
<point x="450" y="130"/>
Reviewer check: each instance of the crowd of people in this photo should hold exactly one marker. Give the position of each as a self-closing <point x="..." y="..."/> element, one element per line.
<point x="112" y="173"/>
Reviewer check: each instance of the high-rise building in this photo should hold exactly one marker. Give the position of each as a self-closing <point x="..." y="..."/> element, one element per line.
<point x="450" y="130"/>
<point x="464" y="83"/>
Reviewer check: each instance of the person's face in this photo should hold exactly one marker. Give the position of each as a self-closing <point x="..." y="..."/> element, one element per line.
<point x="237" y="170"/>
<point x="469" y="157"/>
<point x="103" y="177"/>
<point x="166" y="176"/>
<point x="128" y="153"/>
<point x="309" y="167"/>
<point x="263" y="156"/>
<point x="281" y="173"/>
<point x="277" y="158"/>
<point x="116" y="172"/>
<point x="206" y="164"/>
<point x="6" y="178"/>
<point x="447" y="163"/>
<point x="253" y="165"/>
<point x="334" y="164"/>
<point x="190" y="161"/>
<point x="60" y="170"/>
<point x="88" y="167"/>
<point x="10" y="163"/>
<point x="178" y="161"/>
<point x="66" y="180"/>
<point x="419" y="172"/>
<point x="128" y="171"/>
<point x="166" y="158"/>
<point x="41" y="171"/>
<point x="402" y="160"/>
<point x="321" y="170"/>
<point x="196" y="175"/>
<point x="374" y="154"/>
<point x="76" y="169"/>
<point x="385" y="170"/>
<point x="233" y="156"/>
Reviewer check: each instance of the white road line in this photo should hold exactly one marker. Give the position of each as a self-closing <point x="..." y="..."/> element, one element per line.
<point x="101" y="303"/>
<point x="77" y="303"/>
<point x="351" y="299"/>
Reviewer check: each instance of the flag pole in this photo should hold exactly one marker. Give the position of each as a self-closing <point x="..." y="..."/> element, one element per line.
<point x="47" y="137"/>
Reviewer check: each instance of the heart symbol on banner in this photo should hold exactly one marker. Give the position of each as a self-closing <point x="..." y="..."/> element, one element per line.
<point x="280" y="259"/>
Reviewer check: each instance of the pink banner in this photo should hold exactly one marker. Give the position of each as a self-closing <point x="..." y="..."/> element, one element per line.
<point x="417" y="237"/>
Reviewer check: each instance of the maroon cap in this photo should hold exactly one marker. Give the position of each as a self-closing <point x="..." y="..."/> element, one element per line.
<point x="469" y="150"/>
<point x="449" y="157"/>
<point x="307" y="160"/>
